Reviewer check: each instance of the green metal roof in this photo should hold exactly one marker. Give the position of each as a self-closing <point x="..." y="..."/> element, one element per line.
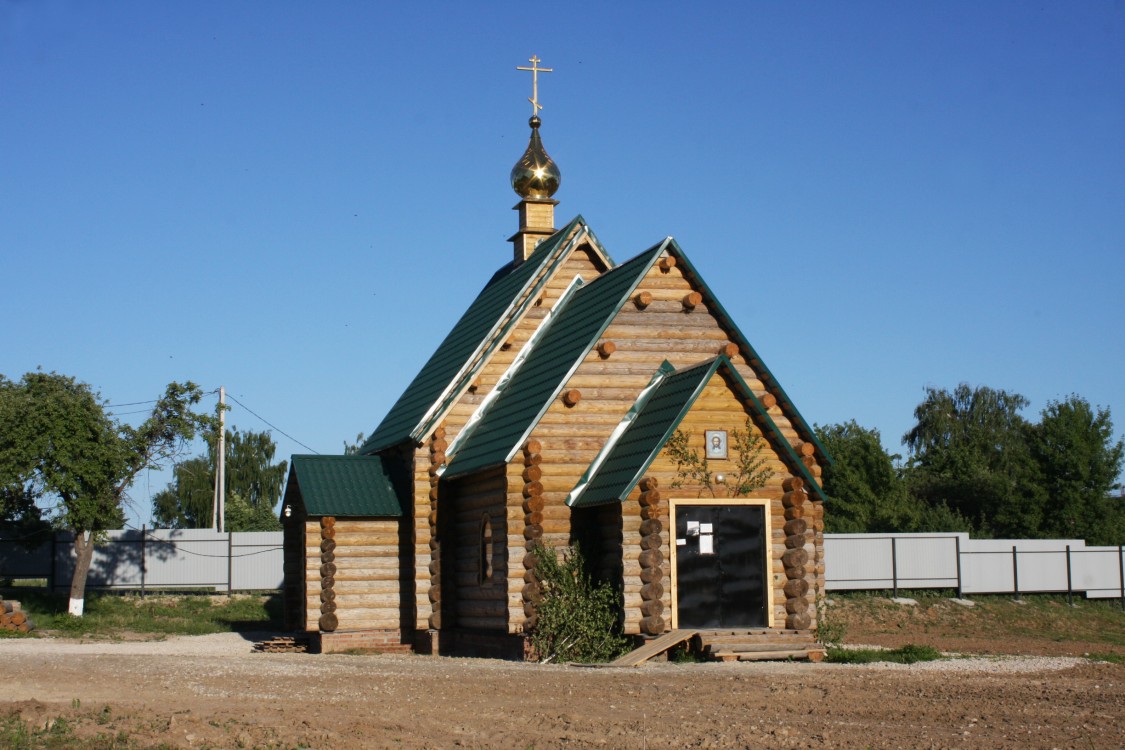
<point x="623" y="460"/>
<point x="655" y="419"/>
<point x="533" y="387"/>
<point x="345" y="486"/>
<point x="471" y="331"/>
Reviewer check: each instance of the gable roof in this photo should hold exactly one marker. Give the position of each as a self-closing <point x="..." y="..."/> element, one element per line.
<point x="345" y="486"/>
<point x="654" y="418"/>
<point x="584" y="315"/>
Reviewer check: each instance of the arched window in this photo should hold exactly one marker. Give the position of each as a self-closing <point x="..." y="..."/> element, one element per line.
<point x="484" y="567"/>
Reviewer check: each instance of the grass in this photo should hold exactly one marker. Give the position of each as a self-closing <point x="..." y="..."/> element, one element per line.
<point x="1038" y="616"/>
<point x="17" y="734"/>
<point x="908" y="654"/>
<point x="112" y="614"/>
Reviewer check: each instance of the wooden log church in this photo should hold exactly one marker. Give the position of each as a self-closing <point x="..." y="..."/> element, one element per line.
<point x="577" y="400"/>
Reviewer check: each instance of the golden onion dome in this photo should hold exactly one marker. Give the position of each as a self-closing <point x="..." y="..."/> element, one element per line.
<point x="535" y="175"/>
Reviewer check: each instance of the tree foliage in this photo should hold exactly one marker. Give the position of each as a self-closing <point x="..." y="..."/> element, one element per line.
<point x="576" y="618"/>
<point x="1079" y="463"/>
<point x="867" y="491"/>
<point x="969" y="451"/>
<point x="253" y="486"/>
<point x="977" y="465"/>
<point x="59" y="445"/>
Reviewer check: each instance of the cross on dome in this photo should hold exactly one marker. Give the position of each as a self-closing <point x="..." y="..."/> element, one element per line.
<point x="535" y="71"/>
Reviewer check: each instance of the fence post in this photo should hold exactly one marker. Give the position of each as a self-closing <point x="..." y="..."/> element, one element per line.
<point x="1016" y="572"/>
<point x="1121" y="571"/>
<point x="957" y="551"/>
<point x="144" y="536"/>
<point x="51" y="577"/>
<point x="894" y="567"/>
<point x="230" y="562"/>
<point x="1069" y="585"/>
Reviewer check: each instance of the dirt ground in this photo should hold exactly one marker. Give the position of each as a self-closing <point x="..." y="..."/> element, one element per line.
<point x="212" y="691"/>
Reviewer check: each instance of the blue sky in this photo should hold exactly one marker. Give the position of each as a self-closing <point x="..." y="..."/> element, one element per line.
<point x="297" y="200"/>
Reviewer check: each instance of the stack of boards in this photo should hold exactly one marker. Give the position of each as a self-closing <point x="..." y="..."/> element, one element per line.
<point x="12" y="617"/>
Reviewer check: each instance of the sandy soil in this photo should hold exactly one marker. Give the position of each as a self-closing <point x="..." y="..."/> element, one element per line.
<point x="212" y="691"/>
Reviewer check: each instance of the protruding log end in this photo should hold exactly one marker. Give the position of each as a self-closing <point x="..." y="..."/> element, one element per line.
<point x="327" y="522"/>
<point x="729" y="350"/>
<point x="649" y="483"/>
<point x="651" y="558"/>
<point x="572" y="397"/>
<point x="642" y="300"/>
<point x="805" y="449"/>
<point x="793" y="483"/>
<point x="796" y="587"/>
<point x="532" y="447"/>
<point x="606" y="348"/>
<point x="667" y="263"/>
<point x="533" y="473"/>
<point x="533" y="489"/>
<point x="768" y="400"/>
<point x="650" y="498"/>
<point x="793" y="498"/>
<point x="795" y="558"/>
<point x="329" y="622"/>
<point x="692" y="300"/>
<point x="798" y="622"/>
<point x="653" y="625"/>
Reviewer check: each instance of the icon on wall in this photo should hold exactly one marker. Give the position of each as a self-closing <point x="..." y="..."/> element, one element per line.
<point x="716" y="443"/>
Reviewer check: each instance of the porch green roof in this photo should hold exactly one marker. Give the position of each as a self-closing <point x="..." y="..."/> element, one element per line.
<point x="654" y="418"/>
<point x="345" y="486"/>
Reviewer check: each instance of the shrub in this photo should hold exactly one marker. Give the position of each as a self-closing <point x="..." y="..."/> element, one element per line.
<point x="576" y="617"/>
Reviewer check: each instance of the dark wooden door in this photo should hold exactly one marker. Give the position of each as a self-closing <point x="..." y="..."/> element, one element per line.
<point x="720" y="566"/>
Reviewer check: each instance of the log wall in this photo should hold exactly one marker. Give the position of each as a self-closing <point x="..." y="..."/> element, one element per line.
<point x="479" y="569"/>
<point x="359" y="574"/>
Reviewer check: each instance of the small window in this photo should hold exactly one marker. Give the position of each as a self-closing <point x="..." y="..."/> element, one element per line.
<point x="484" y="568"/>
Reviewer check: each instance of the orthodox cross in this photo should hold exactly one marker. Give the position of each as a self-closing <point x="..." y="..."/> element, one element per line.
<point x="535" y="71"/>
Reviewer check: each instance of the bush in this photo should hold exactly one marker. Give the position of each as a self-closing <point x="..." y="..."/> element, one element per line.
<point x="908" y="654"/>
<point x="576" y="618"/>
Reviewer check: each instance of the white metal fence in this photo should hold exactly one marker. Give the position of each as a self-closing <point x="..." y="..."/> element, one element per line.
<point x="973" y="566"/>
<point x="241" y="561"/>
<point x="155" y="558"/>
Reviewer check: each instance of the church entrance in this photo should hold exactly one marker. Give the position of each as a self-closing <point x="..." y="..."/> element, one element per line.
<point x="719" y="564"/>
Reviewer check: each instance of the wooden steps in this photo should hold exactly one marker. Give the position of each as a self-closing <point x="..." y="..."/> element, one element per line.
<point x="285" y="644"/>
<point x="760" y="644"/>
<point x="652" y="648"/>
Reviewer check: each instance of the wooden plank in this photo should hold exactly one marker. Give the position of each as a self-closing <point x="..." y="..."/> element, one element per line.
<point x="652" y="648"/>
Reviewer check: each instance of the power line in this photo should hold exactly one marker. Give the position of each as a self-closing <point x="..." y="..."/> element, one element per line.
<point x="259" y="416"/>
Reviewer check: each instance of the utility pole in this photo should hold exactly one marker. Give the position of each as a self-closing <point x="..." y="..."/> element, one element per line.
<point x="218" y="507"/>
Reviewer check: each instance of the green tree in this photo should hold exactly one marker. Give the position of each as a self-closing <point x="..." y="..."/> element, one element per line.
<point x="969" y="451"/>
<point x="57" y="443"/>
<point x="1079" y="463"/>
<point x="352" y="449"/>
<point x="867" y="492"/>
<point x="253" y="487"/>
